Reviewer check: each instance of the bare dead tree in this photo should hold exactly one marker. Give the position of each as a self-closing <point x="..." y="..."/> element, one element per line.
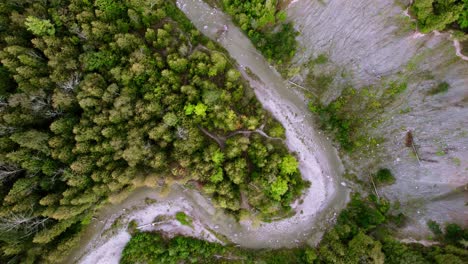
<point x="182" y="133"/>
<point x="36" y="55"/>
<point x="24" y="222"/>
<point x="218" y="139"/>
<point x="75" y="29"/>
<point x="7" y="171"/>
<point x="5" y="130"/>
<point x="71" y="83"/>
<point x="3" y="103"/>
<point x="248" y="132"/>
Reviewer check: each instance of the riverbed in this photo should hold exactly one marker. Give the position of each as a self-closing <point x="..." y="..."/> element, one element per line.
<point x="368" y="44"/>
<point x="318" y="163"/>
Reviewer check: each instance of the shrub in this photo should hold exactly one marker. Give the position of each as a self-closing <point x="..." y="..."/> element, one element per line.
<point x="384" y="177"/>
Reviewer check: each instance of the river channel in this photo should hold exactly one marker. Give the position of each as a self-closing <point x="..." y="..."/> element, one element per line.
<point x="319" y="163"/>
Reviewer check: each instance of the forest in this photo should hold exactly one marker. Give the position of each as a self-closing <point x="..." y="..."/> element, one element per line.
<point x="440" y="14"/>
<point x="362" y="234"/>
<point x="96" y="95"/>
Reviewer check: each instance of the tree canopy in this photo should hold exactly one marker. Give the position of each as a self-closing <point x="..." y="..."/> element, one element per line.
<point x="265" y="24"/>
<point x="440" y="14"/>
<point x="96" y="93"/>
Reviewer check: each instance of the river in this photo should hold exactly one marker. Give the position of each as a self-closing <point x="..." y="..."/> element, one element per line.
<point x="318" y="163"/>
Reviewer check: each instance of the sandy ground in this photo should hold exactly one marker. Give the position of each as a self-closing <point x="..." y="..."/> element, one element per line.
<point x="458" y="50"/>
<point x="107" y="249"/>
<point x="357" y="36"/>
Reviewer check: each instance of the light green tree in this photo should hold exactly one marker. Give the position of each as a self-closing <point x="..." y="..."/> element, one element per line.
<point x="288" y="165"/>
<point x="278" y="188"/>
<point x="39" y="27"/>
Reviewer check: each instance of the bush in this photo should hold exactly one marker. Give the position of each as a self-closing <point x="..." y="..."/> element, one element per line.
<point x="384" y="177"/>
<point x="183" y="219"/>
<point x="439" y="14"/>
<point x="440" y="88"/>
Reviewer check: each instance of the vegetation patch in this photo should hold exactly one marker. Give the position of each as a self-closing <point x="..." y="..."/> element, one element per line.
<point x="154" y="248"/>
<point x="347" y="115"/>
<point x="383" y="177"/>
<point x="442" y="87"/>
<point x="440" y="14"/>
<point x="265" y="24"/>
<point x="183" y="219"/>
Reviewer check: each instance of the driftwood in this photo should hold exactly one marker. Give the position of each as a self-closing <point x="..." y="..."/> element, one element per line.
<point x="375" y="189"/>
<point x="221" y="140"/>
<point x="409" y="142"/>
<point x="302" y="87"/>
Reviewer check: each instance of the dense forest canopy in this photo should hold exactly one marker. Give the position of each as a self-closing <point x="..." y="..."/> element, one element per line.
<point x="265" y="24"/>
<point x="441" y="14"/>
<point x="95" y="95"/>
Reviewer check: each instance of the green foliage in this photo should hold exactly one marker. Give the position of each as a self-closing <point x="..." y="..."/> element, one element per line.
<point x="279" y="188"/>
<point x="218" y="157"/>
<point x="183" y="218"/>
<point x="265" y="25"/>
<point x="217" y="176"/>
<point x="39" y="27"/>
<point x="439" y="14"/>
<point x="289" y="165"/>
<point x="200" y="110"/>
<point x="153" y="248"/>
<point x="104" y="91"/>
<point x="362" y="235"/>
<point x="321" y="59"/>
<point x="395" y="88"/>
<point x="455" y="234"/>
<point x="383" y="177"/>
<point x="109" y="9"/>
<point x="277" y="131"/>
<point x="434" y="227"/>
<point x="362" y="213"/>
<point x="351" y="114"/>
<point x="442" y="87"/>
<point x="463" y="18"/>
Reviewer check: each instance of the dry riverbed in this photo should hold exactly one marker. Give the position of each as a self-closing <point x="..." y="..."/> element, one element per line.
<point x="318" y="161"/>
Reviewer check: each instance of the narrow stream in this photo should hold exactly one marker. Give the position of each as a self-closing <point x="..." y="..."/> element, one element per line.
<point x="318" y="160"/>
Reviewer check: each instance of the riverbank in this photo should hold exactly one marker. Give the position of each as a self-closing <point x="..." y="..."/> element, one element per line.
<point x="317" y="160"/>
<point x="368" y="45"/>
